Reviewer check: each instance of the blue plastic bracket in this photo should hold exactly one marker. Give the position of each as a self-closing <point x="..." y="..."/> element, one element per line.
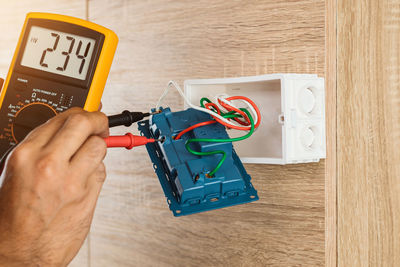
<point x="180" y="188"/>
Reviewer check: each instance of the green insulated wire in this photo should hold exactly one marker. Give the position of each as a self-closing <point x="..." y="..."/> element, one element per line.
<point x="204" y="99"/>
<point x="222" y="113"/>
<point x="198" y="153"/>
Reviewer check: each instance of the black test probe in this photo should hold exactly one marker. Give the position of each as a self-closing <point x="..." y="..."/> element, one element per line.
<point x="126" y="118"/>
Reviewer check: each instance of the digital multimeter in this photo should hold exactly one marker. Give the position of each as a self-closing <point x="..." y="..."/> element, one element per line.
<point x="60" y="62"/>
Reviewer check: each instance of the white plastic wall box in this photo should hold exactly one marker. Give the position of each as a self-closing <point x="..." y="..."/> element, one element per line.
<point x="292" y="107"/>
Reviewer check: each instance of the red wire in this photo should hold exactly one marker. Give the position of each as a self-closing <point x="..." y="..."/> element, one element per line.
<point x="232" y="126"/>
<point x="251" y="103"/>
<point x="214" y="106"/>
<point x="231" y="108"/>
<point x="193" y="127"/>
<point x="241" y="127"/>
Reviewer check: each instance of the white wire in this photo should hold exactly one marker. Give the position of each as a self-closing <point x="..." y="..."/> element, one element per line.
<point x="228" y="102"/>
<point x="223" y="97"/>
<point x="178" y="88"/>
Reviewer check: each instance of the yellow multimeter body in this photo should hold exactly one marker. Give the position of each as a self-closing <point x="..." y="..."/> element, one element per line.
<point x="59" y="62"/>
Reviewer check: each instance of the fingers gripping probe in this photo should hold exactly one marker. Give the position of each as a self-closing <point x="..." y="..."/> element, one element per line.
<point x="128" y="141"/>
<point x="126" y="118"/>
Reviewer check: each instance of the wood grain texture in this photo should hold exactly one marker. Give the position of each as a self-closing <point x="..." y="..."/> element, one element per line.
<point x="163" y="40"/>
<point x="12" y="16"/>
<point x="368" y="133"/>
<point x="330" y="163"/>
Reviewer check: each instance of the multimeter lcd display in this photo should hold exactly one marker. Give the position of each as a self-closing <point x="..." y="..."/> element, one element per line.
<point x="58" y="52"/>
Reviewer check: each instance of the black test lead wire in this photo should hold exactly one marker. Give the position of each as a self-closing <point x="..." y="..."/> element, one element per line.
<point x="126" y="118"/>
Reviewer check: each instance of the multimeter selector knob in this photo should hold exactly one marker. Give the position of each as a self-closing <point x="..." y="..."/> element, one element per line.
<point x="29" y="117"/>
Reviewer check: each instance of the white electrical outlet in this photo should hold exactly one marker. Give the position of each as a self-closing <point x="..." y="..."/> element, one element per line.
<point x="292" y="107"/>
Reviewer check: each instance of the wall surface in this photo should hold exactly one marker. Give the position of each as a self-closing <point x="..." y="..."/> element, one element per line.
<point x="368" y="143"/>
<point x="163" y="40"/>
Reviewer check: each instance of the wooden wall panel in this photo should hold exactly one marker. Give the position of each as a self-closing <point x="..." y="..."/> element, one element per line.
<point x="163" y="40"/>
<point x="368" y="133"/>
<point x="331" y="106"/>
<point x="12" y="16"/>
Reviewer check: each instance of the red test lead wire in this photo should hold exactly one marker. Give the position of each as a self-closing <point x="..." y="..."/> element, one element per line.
<point x="128" y="141"/>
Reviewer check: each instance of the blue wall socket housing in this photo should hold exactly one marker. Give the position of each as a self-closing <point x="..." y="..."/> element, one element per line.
<point x="183" y="175"/>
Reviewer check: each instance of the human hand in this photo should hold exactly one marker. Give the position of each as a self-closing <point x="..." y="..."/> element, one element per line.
<point x="52" y="180"/>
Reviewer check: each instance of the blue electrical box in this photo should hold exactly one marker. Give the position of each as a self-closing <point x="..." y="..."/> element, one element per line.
<point x="183" y="175"/>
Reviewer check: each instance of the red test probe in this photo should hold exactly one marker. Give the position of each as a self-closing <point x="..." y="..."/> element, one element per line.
<point x="128" y="141"/>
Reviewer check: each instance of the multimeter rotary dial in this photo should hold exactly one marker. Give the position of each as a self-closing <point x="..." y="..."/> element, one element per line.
<point x="29" y="117"/>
